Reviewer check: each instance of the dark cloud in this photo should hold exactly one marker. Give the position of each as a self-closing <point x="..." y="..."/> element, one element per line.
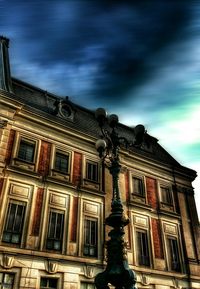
<point x="120" y="38"/>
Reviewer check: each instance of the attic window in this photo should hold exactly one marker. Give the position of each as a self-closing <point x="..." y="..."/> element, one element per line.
<point x="64" y="110"/>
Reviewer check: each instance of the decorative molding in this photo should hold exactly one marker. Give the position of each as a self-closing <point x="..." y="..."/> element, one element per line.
<point x="170" y="229"/>
<point x="52" y="267"/>
<point x="175" y="284"/>
<point x="185" y="190"/>
<point x="145" y="279"/>
<point x="58" y="200"/>
<point x="20" y="190"/>
<point x="88" y="271"/>
<point x="64" y="109"/>
<point x="140" y="221"/>
<point x="7" y="261"/>
<point x="90" y="208"/>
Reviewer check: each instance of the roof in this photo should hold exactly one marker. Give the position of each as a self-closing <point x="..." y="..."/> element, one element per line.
<point x="82" y="119"/>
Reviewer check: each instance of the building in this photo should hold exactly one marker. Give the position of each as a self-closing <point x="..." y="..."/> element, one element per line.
<point x="54" y="196"/>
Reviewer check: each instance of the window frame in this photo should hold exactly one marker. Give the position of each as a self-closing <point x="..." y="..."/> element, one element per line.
<point x="171" y="253"/>
<point x="48" y="278"/>
<point x="141" y="186"/>
<point x="48" y="238"/>
<point x="7" y="221"/>
<point x="27" y="141"/>
<point x="143" y="260"/>
<point x="87" y="237"/>
<point x="3" y="283"/>
<point x="137" y="198"/>
<point x="67" y="154"/>
<point x="166" y="195"/>
<point x="93" y="173"/>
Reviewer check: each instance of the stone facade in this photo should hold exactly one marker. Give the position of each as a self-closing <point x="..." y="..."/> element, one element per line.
<point x="55" y="195"/>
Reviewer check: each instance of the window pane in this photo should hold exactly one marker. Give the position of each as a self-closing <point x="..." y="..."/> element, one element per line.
<point x="59" y="226"/>
<point x="174" y="255"/>
<point x="43" y="282"/>
<point x="87" y="231"/>
<point x="19" y="218"/>
<point x="52" y="283"/>
<point x="143" y="248"/>
<point x="92" y="171"/>
<point x="48" y="283"/>
<point x="15" y="238"/>
<point x="55" y="232"/>
<point x="52" y="224"/>
<point x="11" y="216"/>
<point x="62" y="162"/>
<point x="14" y="224"/>
<point x="6" y="280"/>
<point x="166" y="195"/>
<point x="90" y="237"/>
<point x="138" y="186"/>
<point x="26" y="150"/>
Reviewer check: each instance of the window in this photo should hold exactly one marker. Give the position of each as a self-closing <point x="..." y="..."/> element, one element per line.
<point x="90" y="237"/>
<point x="62" y="162"/>
<point x="166" y="195"/>
<point x="174" y="254"/>
<point x="55" y="231"/>
<point x="92" y="171"/>
<point x="48" y="283"/>
<point x="6" y="280"/>
<point x="86" y="285"/>
<point x="143" y="248"/>
<point x="26" y="150"/>
<point x="14" y="222"/>
<point x="138" y="187"/>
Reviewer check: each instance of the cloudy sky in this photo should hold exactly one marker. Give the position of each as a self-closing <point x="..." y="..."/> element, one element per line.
<point x="138" y="59"/>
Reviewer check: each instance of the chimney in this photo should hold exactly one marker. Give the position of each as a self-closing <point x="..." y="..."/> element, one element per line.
<point x="5" y="77"/>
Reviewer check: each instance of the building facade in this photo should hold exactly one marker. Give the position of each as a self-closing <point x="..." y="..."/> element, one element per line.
<point x="55" y="195"/>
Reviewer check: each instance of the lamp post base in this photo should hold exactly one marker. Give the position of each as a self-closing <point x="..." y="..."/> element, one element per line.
<point x="117" y="271"/>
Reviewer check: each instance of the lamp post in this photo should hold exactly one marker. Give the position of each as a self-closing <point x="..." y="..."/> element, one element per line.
<point x="117" y="271"/>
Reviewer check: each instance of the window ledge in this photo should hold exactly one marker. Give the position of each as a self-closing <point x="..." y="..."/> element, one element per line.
<point x="23" y="164"/>
<point x="167" y="207"/>
<point x="60" y="175"/>
<point x="91" y="181"/>
<point x="24" y="161"/>
<point x="91" y="184"/>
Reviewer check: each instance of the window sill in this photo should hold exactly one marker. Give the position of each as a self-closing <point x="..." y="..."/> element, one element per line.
<point x="138" y="198"/>
<point x="167" y="207"/>
<point x="60" y="175"/>
<point x="91" y="184"/>
<point x="23" y="164"/>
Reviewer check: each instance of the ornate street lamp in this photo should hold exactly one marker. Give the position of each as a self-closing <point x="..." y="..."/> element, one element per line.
<point x="117" y="271"/>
